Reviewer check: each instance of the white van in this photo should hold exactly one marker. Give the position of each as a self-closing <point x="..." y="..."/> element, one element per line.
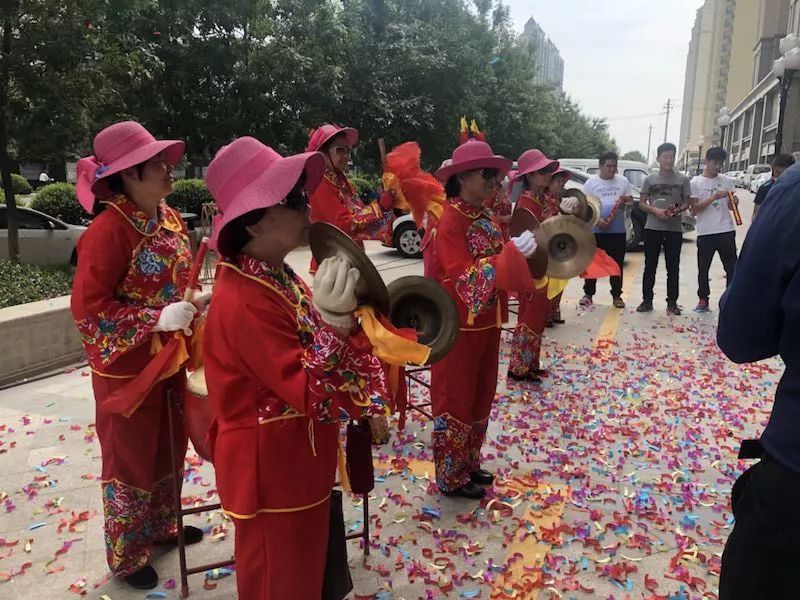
<point x="754" y="171"/>
<point x="633" y="171"/>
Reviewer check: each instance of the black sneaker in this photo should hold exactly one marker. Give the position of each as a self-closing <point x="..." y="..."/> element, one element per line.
<point x="674" y="309"/>
<point x="702" y="306"/>
<point x="145" y="578"/>
<point x="619" y="302"/>
<point x="645" y="307"/>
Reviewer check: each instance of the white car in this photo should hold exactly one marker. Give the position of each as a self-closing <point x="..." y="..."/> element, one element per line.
<point x="734" y="176"/>
<point x="406" y="238"/>
<point x="759" y="181"/>
<point x="43" y="240"/>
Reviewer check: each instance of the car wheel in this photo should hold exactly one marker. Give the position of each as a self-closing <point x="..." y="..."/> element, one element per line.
<point x="408" y="240"/>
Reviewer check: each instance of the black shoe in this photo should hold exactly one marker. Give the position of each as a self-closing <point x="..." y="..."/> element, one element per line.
<point x="619" y="302"/>
<point x="645" y="307"/>
<point x="549" y="324"/>
<point x="674" y="309"/>
<point x="469" y="490"/>
<point x="145" y="578"/>
<point x="191" y="535"/>
<point x="529" y="378"/>
<point x="559" y="321"/>
<point x="482" y="477"/>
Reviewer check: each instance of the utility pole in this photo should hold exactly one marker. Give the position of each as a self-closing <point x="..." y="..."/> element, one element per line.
<point x="668" y="108"/>
<point x="649" y="139"/>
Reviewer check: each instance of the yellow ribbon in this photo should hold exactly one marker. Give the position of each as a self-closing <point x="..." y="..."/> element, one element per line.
<point x="388" y="346"/>
<point x="554" y="286"/>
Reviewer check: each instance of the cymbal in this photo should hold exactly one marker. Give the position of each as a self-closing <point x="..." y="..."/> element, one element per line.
<point x="597" y="210"/>
<point x="328" y="240"/>
<point x="524" y="220"/>
<point x="590" y="207"/>
<point x="423" y="304"/>
<point x="570" y="247"/>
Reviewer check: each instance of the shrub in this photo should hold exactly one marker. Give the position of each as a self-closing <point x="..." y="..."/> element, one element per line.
<point x="29" y="283"/>
<point x="59" y="200"/>
<point x="20" y="184"/>
<point x="189" y="195"/>
<point x="362" y="184"/>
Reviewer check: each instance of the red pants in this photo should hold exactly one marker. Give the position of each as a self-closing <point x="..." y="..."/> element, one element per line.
<point x="138" y="499"/>
<point x="526" y="345"/>
<point x="282" y="555"/>
<point x="463" y="387"/>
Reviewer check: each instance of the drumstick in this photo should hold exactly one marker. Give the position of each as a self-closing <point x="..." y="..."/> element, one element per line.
<point x="737" y="216"/>
<point x="194" y="276"/>
<point x="382" y="148"/>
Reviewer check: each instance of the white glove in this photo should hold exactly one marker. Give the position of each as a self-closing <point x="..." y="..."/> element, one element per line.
<point x="176" y="317"/>
<point x="569" y="205"/>
<point x="525" y="243"/>
<point x="334" y="290"/>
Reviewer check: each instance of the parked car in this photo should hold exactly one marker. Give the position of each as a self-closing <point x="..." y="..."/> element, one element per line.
<point x="43" y="240"/>
<point x="754" y="171"/>
<point x="733" y="176"/>
<point x="759" y="181"/>
<point x="633" y="171"/>
<point x="406" y="238"/>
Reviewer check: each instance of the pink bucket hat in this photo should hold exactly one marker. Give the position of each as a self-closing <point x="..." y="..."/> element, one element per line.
<point x="532" y="161"/>
<point x="246" y="175"/>
<point x="563" y="173"/>
<point x="473" y="154"/>
<point x="118" y="147"/>
<point x="323" y="133"/>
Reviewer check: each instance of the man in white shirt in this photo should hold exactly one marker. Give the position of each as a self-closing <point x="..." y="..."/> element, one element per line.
<point x="716" y="230"/>
<point x="614" y="191"/>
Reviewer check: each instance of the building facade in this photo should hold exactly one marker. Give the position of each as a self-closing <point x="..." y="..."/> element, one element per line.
<point x="708" y="65"/>
<point x="750" y="138"/>
<point x="549" y="64"/>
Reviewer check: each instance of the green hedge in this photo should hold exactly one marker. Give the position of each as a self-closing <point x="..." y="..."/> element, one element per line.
<point x="364" y="183"/>
<point x="29" y="283"/>
<point x="59" y="200"/>
<point x="189" y="195"/>
<point x="20" y="184"/>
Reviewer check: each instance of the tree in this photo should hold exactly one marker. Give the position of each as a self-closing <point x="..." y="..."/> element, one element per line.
<point x="10" y="23"/>
<point x="634" y="155"/>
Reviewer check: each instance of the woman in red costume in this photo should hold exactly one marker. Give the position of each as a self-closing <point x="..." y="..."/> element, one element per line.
<point x="535" y="171"/>
<point x="477" y="268"/>
<point x="132" y="274"/>
<point x="556" y="188"/>
<point x="500" y="207"/>
<point x="282" y="370"/>
<point x="336" y="200"/>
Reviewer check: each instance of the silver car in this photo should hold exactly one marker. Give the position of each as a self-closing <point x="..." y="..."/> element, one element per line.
<point x="43" y="240"/>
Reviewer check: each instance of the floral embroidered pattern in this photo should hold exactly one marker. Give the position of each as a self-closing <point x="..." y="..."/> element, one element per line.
<point x="543" y="206"/>
<point x="333" y="366"/>
<point x="157" y="275"/>
<point x="478" y="435"/>
<point x="369" y="222"/>
<point x="526" y="346"/>
<point x="476" y="286"/>
<point x="451" y="452"/>
<point x="164" y="521"/>
<point x="128" y="532"/>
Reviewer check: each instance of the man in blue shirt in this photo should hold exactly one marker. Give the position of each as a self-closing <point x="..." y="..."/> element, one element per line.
<point x="760" y="318"/>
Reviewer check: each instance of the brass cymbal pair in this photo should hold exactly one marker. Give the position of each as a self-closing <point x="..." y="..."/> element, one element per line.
<point x="566" y="244"/>
<point x="410" y="302"/>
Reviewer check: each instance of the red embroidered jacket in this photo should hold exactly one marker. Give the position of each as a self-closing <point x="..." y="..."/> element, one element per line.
<point x="279" y="381"/>
<point x="476" y="266"/>
<point x="129" y="268"/>
<point x="543" y="206"/>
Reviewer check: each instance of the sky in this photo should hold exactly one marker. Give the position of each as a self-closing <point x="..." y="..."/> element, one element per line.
<point x="622" y="59"/>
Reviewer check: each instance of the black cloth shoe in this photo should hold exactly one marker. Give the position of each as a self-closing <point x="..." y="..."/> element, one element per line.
<point x="191" y="535"/>
<point x="469" y="490"/>
<point x="674" y="309"/>
<point x="645" y="307"/>
<point x="482" y="477"/>
<point x="529" y="378"/>
<point x="559" y="321"/>
<point x="145" y="578"/>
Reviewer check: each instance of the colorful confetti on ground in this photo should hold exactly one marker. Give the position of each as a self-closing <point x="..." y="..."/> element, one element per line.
<point x="613" y="482"/>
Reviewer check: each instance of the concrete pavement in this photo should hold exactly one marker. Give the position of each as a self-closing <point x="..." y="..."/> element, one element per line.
<point x="619" y="468"/>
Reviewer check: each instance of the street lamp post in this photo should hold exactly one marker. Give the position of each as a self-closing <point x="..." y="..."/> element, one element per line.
<point x="784" y="69"/>
<point x="723" y="121"/>
<point x="700" y="143"/>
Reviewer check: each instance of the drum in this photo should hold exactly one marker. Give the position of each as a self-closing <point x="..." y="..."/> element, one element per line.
<point x="197" y="412"/>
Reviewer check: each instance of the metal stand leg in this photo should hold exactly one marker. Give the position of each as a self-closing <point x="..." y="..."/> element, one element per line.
<point x="365" y="531"/>
<point x="177" y="467"/>
<point x="412" y="377"/>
